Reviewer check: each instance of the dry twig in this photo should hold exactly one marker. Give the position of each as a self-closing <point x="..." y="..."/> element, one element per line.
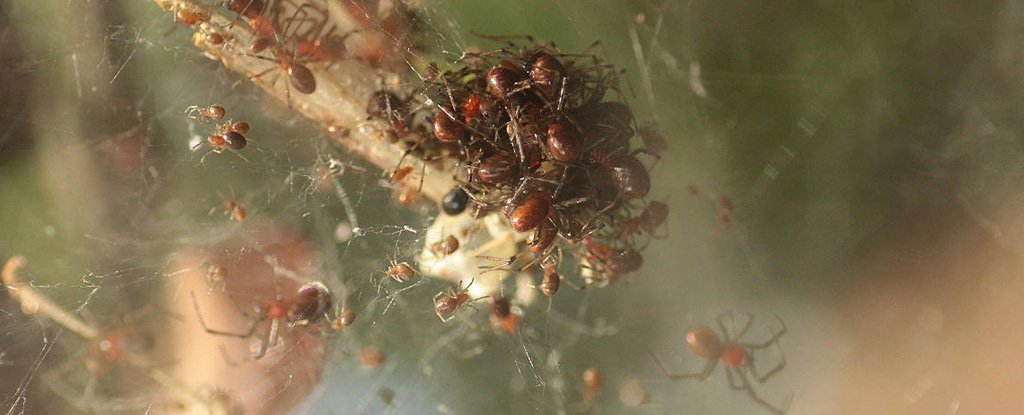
<point x="35" y="303"/>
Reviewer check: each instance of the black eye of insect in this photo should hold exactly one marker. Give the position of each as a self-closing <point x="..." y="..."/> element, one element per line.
<point x="455" y="201"/>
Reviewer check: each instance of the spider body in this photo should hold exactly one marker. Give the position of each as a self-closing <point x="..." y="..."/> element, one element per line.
<point x="400" y="271"/>
<point x="551" y="282"/>
<point x="447" y="302"/>
<point x="542" y="237"/>
<point x="446" y="126"/>
<point x="532" y="212"/>
<point x="503" y="77"/>
<point x="495" y="170"/>
<point x="564" y="142"/>
<point x="446" y="246"/>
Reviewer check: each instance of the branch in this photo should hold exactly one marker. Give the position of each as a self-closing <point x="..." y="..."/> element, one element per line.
<point x="35" y="303"/>
<point x="32" y="302"/>
<point x="338" y="104"/>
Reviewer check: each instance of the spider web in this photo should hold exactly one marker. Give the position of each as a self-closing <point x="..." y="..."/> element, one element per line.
<point x="152" y="209"/>
<point x="779" y="177"/>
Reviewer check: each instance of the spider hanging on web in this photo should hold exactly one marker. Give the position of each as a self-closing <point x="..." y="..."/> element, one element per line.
<point x="447" y="302"/>
<point x="735" y="355"/>
<point x="229" y="135"/>
<point x="310" y="304"/>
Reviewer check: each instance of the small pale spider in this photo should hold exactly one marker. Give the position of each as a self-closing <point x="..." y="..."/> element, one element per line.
<point x="400" y="271"/>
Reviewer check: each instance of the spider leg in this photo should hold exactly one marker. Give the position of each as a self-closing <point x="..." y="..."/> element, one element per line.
<point x="434" y="301"/>
<point x="227" y="358"/>
<point x="239" y="155"/>
<point x="266" y="71"/>
<point x="725" y="327"/>
<point x="732" y="379"/>
<point x="773" y="371"/>
<point x="423" y="175"/>
<point x="572" y="285"/>
<point x="202" y="160"/>
<point x="248" y="331"/>
<point x="703" y="374"/>
<point x="753" y="395"/>
<point x="137" y="315"/>
<point x="270" y="340"/>
<point x="743" y="331"/>
<point x="774" y="338"/>
<point x="732" y="324"/>
<point x="503" y="263"/>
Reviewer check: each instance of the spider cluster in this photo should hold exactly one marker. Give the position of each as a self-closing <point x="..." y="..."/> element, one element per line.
<point x="543" y="137"/>
<point x="294" y="34"/>
<point x="228" y="135"/>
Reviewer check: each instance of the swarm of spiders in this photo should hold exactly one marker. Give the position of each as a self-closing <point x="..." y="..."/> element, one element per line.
<point x="545" y="138"/>
<point x="294" y="34"/>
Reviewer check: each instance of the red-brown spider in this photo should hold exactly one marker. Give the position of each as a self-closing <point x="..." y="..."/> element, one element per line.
<point x="737" y="357"/>
<point x="311" y="302"/>
<point x="447" y="302"/>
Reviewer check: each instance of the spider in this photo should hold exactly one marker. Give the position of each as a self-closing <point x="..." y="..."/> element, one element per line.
<point x="232" y="207"/>
<point x="213" y="112"/>
<point x="400" y="271"/>
<point x="504" y="316"/>
<point x="311" y="302"/>
<point x="447" y="302"/>
<point x="286" y="57"/>
<point x="215" y="276"/>
<point x="737" y="356"/>
<point x="228" y="135"/>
